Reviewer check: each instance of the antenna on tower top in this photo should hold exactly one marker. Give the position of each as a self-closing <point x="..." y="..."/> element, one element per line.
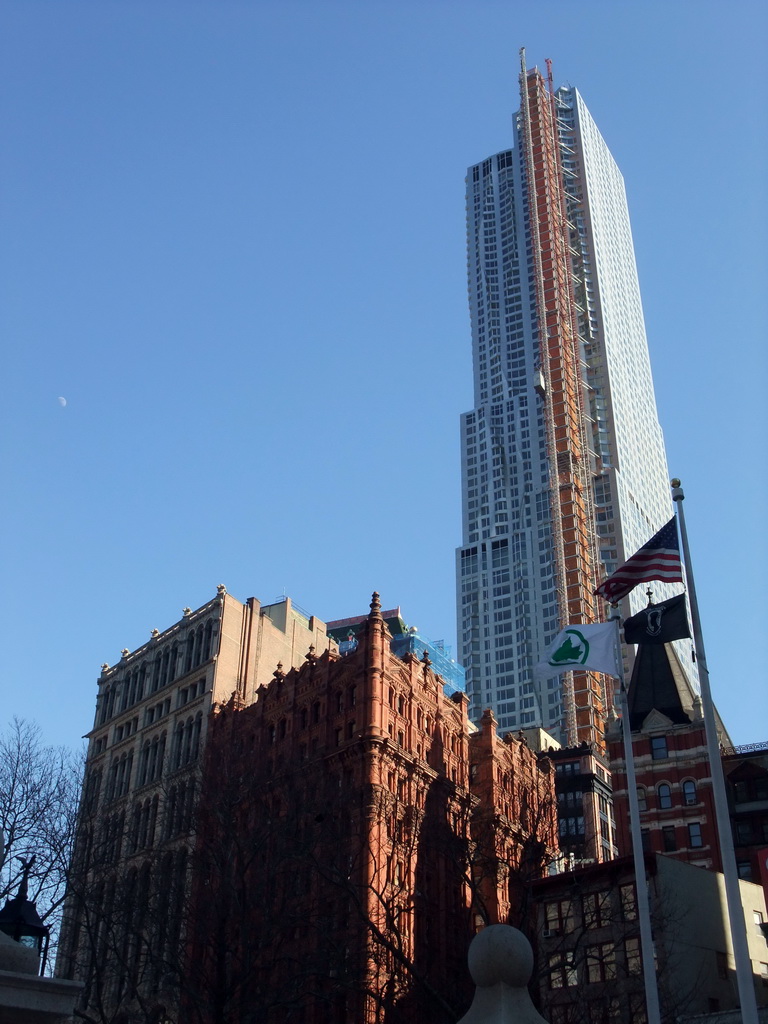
<point x="550" y="81"/>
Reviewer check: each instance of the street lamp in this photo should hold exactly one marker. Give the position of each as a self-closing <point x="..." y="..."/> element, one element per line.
<point x="20" y="920"/>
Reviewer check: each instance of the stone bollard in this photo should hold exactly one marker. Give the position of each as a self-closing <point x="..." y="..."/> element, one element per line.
<point x="501" y="961"/>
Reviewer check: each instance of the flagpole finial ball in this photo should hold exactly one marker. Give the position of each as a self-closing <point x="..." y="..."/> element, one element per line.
<point x="675" y="482"/>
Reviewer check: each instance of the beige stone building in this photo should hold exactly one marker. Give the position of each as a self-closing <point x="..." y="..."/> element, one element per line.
<point x="142" y="778"/>
<point x="588" y="942"/>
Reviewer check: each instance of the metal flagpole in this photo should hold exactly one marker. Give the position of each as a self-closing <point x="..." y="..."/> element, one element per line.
<point x="732" y="891"/>
<point x="643" y="904"/>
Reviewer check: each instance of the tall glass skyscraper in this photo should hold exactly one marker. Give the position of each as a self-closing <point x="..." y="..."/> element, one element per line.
<point x="563" y="467"/>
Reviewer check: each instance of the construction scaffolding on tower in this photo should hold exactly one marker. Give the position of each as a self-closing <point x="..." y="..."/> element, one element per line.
<point x="563" y="393"/>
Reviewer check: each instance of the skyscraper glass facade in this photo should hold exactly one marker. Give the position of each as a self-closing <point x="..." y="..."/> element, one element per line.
<point x="512" y="599"/>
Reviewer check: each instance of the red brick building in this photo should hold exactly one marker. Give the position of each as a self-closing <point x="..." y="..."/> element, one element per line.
<point x="674" y="779"/>
<point x="353" y="830"/>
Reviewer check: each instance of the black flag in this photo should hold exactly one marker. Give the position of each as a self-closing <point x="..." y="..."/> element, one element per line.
<point x="658" y="623"/>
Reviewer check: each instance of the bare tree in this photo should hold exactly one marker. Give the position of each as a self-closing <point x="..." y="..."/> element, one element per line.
<point x="39" y="793"/>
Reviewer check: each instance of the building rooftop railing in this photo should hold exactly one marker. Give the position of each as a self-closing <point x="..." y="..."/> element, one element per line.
<point x="746" y="748"/>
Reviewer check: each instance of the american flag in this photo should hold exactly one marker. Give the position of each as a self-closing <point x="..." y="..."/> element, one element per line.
<point x="659" y="559"/>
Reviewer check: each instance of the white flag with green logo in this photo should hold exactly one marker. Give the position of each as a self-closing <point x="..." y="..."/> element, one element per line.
<point x="582" y="647"/>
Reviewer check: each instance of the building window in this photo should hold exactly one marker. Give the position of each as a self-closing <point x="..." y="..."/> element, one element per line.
<point x="741" y="792"/>
<point x="633" y="955"/>
<point x="641" y="798"/>
<point x="689" y="792"/>
<point x="558" y="918"/>
<point x="658" y="747"/>
<point x="562" y="973"/>
<point x="601" y="962"/>
<point x="628" y="902"/>
<point x="596" y="908"/>
<point x="664" y="794"/>
<point x="694" y="835"/>
<point x="668" y="838"/>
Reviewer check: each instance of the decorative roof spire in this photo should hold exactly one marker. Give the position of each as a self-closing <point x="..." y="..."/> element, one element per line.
<point x="375" y="606"/>
<point x="658" y="683"/>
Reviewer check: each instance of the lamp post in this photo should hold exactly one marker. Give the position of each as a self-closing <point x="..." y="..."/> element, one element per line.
<point x="20" y="920"/>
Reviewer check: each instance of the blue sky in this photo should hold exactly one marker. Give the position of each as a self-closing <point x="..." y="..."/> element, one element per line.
<point x="233" y="242"/>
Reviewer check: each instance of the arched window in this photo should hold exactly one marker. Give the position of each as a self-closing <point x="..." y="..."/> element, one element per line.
<point x="208" y="640"/>
<point x="689" y="792"/>
<point x="163" y="897"/>
<point x="125" y="688"/>
<point x="195" y="745"/>
<point x="143" y="825"/>
<point x="136" y="830"/>
<point x="189" y="652"/>
<point x="178" y="816"/>
<point x="138" y="682"/>
<point x="152" y="820"/>
<point x="160" y="754"/>
<point x="104" y="705"/>
<point x="197" y="657"/>
<point x="189" y="806"/>
<point x="168" y="813"/>
<point x="178" y="890"/>
<point x="641" y="798"/>
<point x="178" y="745"/>
<point x="664" y="794"/>
<point x="186" y="755"/>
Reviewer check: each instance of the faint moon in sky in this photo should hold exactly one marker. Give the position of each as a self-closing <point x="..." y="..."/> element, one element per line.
<point x="62" y="401"/>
